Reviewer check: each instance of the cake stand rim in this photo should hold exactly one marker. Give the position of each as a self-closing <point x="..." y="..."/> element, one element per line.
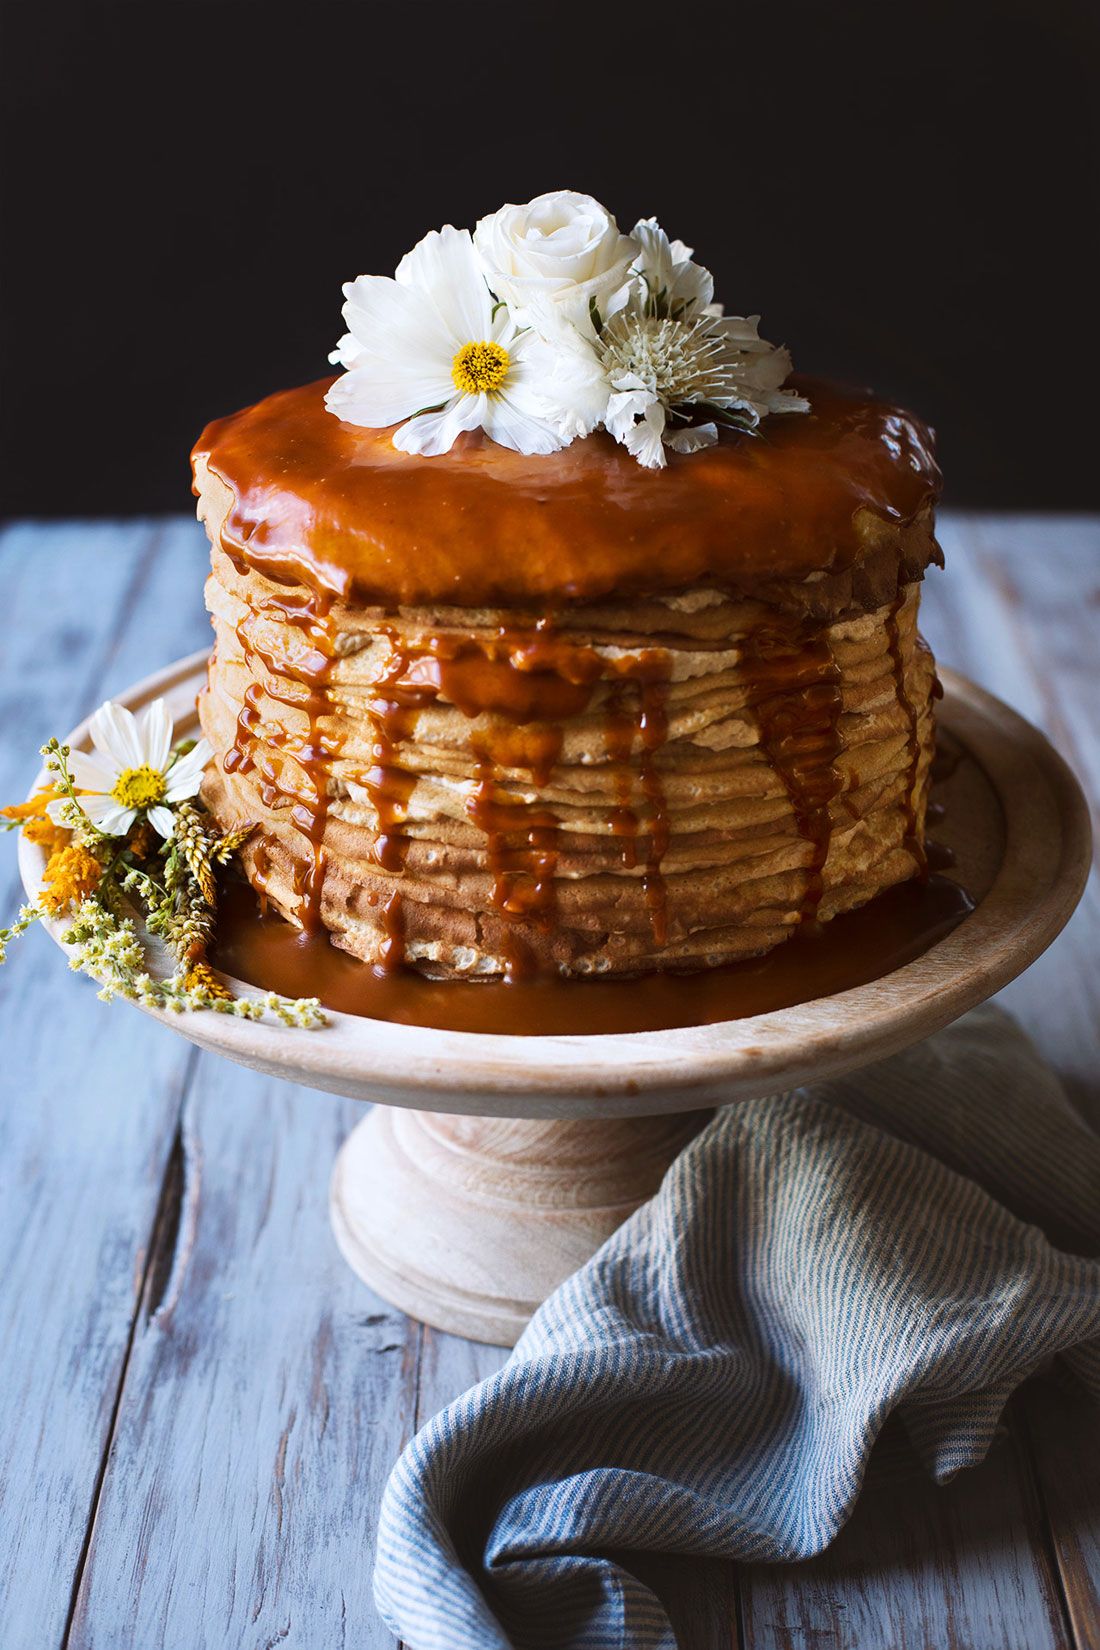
<point x="643" y="1072"/>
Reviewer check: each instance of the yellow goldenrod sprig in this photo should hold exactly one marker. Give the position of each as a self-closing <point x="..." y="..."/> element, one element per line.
<point x="73" y="872"/>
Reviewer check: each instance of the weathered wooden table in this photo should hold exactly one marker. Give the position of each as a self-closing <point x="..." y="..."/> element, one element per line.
<point x="199" y="1404"/>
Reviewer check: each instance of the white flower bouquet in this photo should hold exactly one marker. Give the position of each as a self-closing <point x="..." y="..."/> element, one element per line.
<point x="548" y="323"/>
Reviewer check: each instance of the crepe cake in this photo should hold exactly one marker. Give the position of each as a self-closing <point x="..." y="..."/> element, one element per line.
<point x="495" y="715"/>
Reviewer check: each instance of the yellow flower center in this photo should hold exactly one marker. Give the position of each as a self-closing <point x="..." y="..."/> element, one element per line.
<point x="480" y="368"/>
<point x="139" y="788"/>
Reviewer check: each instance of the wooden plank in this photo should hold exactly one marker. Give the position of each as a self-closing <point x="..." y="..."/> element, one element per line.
<point x="449" y="1366"/>
<point x="961" y="1567"/>
<point x="1048" y="579"/>
<point x="1063" y="1428"/>
<point x="266" y="1399"/>
<point x="1018" y="612"/>
<point x="1047" y="575"/>
<point x="89" y="1095"/>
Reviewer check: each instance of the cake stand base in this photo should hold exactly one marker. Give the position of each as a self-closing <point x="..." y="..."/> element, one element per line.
<point x="468" y="1223"/>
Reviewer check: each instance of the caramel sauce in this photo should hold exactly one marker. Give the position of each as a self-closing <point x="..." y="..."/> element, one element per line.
<point x="652" y="733"/>
<point x="393" y="947"/>
<point x="392" y="711"/>
<point x="240" y="757"/>
<point x="522" y="855"/>
<point x="798" y="705"/>
<point x="818" y="961"/>
<point x="340" y="509"/>
<point x="527" y="682"/>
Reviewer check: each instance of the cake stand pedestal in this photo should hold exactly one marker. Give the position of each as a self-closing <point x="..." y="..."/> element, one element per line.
<point x="507" y="1161"/>
<point x="469" y="1223"/>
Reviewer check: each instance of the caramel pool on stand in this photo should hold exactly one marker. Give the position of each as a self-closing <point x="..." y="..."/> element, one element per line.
<point x="520" y="717"/>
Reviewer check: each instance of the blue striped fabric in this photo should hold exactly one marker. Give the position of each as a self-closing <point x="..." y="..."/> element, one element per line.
<point x="713" y="1380"/>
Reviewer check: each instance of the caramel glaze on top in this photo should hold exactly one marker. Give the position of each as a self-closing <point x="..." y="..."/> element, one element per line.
<point x="340" y="509"/>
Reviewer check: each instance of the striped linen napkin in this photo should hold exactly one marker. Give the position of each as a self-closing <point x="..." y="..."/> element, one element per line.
<point x="713" y="1380"/>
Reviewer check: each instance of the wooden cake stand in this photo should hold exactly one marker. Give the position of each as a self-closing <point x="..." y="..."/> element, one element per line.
<point x="496" y="1165"/>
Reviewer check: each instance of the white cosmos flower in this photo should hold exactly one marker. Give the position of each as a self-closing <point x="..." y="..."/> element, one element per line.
<point x="131" y="771"/>
<point x="663" y="349"/>
<point x="432" y="347"/>
<point x="562" y="248"/>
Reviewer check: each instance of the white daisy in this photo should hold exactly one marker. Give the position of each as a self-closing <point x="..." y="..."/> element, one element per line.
<point x="432" y="347"/>
<point x="132" y="771"/>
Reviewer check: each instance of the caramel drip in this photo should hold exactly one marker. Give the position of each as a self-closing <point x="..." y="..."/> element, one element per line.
<point x="392" y="955"/>
<point x="911" y="833"/>
<point x="619" y="730"/>
<point x="392" y="708"/>
<point x="645" y="680"/>
<point x="521" y="847"/>
<point x="797" y="702"/>
<point x="260" y="866"/>
<point x="527" y="682"/>
<point x="530" y="682"/>
<point x="653" y="732"/>
<point x="239" y="757"/>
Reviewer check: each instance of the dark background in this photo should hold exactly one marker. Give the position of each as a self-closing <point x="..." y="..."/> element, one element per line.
<point x="905" y="192"/>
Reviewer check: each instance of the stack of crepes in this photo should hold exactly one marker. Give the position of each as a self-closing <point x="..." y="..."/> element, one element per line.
<point x="495" y="714"/>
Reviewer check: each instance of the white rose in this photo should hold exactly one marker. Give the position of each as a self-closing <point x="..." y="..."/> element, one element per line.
<point x="561" y="249"/>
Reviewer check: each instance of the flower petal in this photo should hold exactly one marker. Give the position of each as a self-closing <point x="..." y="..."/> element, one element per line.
<point x="644" y="438"/>
<point x="402" y="355"/>
<point x="185" y="775"/>
<point x="106" y="815"/>
<point x="692" y="438"/>
<point x="673" y="280"/>
<point x="625" y="406"/>
<point x="346" y="351"/>
<point x="155" y="732"/>
<point x="507" y="423"/>
<point x="395" y="321"/>
<point x="115" y="735"/>
<point x="436" y="432"/>
<point x="559" y="377"/>
<point x="374" y="396"/>
<point x="90" y="775"/>
<point x="162" y="820"/>
<point x="447" y="270"/>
